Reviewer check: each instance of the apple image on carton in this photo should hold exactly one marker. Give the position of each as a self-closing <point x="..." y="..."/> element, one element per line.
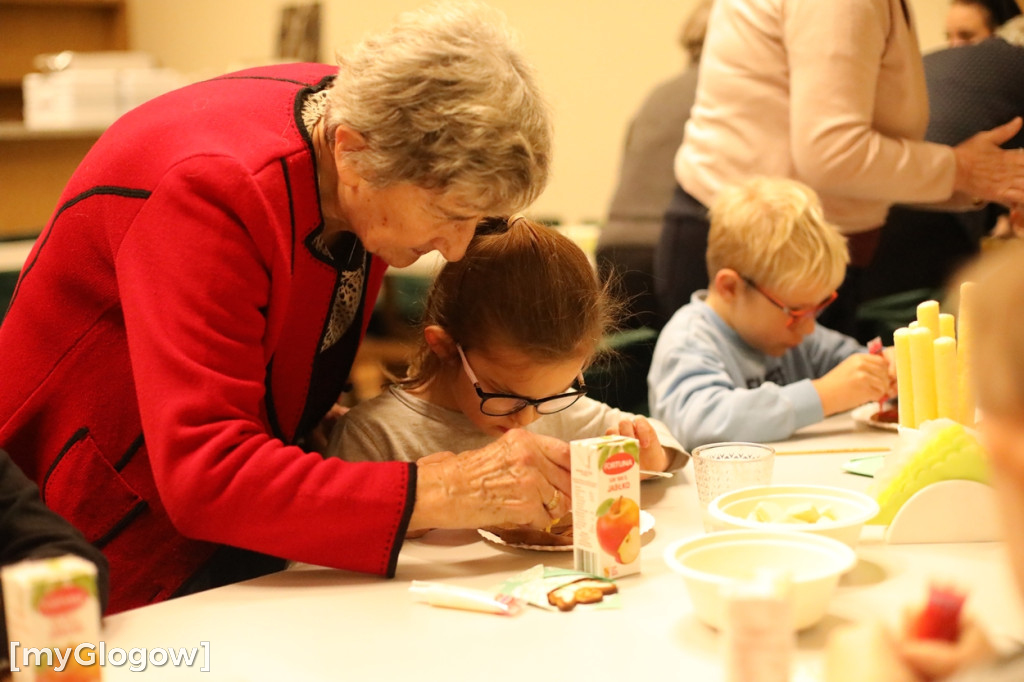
<point x="618" y="529"/>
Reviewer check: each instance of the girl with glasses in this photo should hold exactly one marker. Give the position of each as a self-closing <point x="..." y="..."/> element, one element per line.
<point x="507" y="333"/>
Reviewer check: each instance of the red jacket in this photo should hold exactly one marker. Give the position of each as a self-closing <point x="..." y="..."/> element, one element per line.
<point x="162" y="352"/>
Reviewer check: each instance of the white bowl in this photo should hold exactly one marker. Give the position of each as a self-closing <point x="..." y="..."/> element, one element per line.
<point x="852" y="509"/>
<point x="709" y="563"/>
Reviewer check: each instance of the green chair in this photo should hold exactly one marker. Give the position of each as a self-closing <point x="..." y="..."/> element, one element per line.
<point x="882" y="316"/>
<point x="619" y="376"/>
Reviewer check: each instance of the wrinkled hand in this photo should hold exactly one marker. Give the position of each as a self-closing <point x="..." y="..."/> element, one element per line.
<point x="986" y="171"/>
<point x="934" y="659"/>
<point x="856" y="380"/>
<point x="505" y="482"/>
<point x="652" y="455"/>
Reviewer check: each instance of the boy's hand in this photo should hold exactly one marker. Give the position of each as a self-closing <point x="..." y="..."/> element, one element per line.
<point x="889" y="353"/>
<point x="856" y="380"/>
<point x="652" y="455"/>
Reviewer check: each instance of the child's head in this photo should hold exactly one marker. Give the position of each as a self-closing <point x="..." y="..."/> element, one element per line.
<point x="525" y="307"/>
<point x="774" y="261"/>
<point x="997" y="357"/>
<point x="997" y="371"/>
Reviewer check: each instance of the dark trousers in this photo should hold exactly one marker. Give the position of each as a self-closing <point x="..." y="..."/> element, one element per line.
<point x="629" y="270"/>
<point x="680" y="267"/>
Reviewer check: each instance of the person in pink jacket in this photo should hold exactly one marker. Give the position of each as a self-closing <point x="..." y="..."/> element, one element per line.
<point x="191" y="312"/>
<point x="831" y="94"/>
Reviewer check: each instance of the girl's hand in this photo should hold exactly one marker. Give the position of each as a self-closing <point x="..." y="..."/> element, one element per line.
<point x="856" y="653"/>
<point x="652" y="455"/>
<point x="933" y="659"/>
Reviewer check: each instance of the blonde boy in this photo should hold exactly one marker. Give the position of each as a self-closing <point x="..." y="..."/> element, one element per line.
<point x="744" y="359"/>
<point x="867" y="652"/>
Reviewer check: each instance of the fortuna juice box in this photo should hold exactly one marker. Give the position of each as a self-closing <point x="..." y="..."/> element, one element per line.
<point x="52" y="605"/>
<point x="606" y="505"/>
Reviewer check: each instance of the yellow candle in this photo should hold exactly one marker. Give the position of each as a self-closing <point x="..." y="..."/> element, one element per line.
<point x="922" y="372"/>
<point x="904" y="380"/>
<point x="946" y="379"/>
<point x="928" y="316"/>
<point x="947" y="325"/>
<point x="963" y="354"/>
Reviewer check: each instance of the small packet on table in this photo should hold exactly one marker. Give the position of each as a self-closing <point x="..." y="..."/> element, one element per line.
<point x="560" y="589"/>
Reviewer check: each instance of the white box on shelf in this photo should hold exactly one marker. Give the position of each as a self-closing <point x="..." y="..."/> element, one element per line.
<point x="70" y="99"/>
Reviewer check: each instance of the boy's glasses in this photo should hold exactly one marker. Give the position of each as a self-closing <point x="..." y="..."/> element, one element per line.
<point x="504" y="404"/>
<point x="795" y="314"/>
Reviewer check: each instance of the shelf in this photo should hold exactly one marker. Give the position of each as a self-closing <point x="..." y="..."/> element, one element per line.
<point x="15" y="131"/>
<point x="98" y="4"/>
<point x="45" y="26"/>
<point x="36" y="164"/>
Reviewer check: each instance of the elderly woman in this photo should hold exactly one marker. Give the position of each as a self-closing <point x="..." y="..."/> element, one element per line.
<point x="193" y="308"/>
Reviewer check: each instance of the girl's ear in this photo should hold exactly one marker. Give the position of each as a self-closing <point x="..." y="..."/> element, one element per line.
<point x="727" y="284"/>
<point x="441" y="344"/>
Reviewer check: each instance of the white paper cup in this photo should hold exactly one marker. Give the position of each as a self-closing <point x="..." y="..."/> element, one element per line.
<point x="724" y="467"/>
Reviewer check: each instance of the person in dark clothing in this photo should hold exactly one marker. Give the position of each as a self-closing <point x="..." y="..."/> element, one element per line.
<point x="970" y="88"/>
<point x="625" y="249"/>
<point x="31" y="530"/>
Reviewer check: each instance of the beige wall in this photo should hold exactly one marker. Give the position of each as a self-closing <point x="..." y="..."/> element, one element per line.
<point x="597" y="59"/>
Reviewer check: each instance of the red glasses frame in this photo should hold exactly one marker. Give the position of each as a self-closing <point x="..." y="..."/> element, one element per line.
<point x="795" y="314"/>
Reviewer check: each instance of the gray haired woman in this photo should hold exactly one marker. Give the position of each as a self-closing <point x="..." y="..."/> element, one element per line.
<point x="192" y="310"/>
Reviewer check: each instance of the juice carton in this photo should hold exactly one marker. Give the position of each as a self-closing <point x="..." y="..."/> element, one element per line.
<point x="606" y="505"/>
<point x="52" y="606"/>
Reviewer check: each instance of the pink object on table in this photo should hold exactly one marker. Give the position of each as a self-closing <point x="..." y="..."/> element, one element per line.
<point x="875" y="348"/>
<point x="940" y="618"/>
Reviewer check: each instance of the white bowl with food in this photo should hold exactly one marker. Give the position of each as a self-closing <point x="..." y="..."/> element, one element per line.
<point x="713" y="564"/>
<point x="829" y="511"/>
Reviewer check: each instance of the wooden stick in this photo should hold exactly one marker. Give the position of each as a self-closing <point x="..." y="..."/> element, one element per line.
<point x="831" y="451"/>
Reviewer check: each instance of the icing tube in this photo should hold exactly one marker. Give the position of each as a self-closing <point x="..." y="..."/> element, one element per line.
<point x="455" y="597"/>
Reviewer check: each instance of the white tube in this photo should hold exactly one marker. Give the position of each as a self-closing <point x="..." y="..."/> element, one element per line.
<point x="467" y="599"/>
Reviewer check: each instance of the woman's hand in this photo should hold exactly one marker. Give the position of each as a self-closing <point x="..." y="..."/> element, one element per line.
<point x="652" y="455"/>
<point x="984" y="170"/>
<point x="522" y="479"/>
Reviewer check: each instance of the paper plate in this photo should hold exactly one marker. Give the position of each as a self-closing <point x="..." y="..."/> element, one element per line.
<point x="864" y="413"/>
<point x="646" y="525"/>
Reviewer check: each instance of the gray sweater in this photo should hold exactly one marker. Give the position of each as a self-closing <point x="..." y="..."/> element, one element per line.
<point x="399" y="426"/>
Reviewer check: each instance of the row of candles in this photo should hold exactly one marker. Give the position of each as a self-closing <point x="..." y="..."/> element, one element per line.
<point x="933" y="364"/>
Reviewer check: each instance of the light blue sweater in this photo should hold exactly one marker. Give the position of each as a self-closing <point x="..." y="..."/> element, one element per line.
<point x="708" y="385"/>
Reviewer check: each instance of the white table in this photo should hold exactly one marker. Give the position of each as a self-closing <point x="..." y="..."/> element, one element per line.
<point x="310" y="623"/>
